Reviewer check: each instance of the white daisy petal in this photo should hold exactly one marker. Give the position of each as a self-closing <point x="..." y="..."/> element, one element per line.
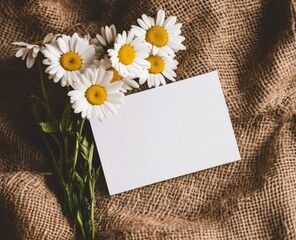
<point x="154" y="50"/>
<point x="161" y="78"/>
<point x="156" y="80"/>
<point x="168" y="75"/>
<point x="99" y="113"/>
<point x="124" y="36"/>
<point x="25" y="54"/>
<point x="21" y="52"/>
<point x="110" y="107"/>
<point x="90" y="112"/>
<point x="62" y="45"/>
<point x="108" y="76"/>
<point x="142" y="80"/>
<point x="48" y="38"/>
<point x="142" y="24"/>
<point x="101" y="74"/>
<point x="170" y="21"/>
<point x="113" y="30"/>
<point x="114" y="86"/>
<point x="53" y="49"/>
<point x="166" y="51"/>
<point x="146" y="20"/>
<point x="36" y="49"/>
<point x="106" y="111"/>
<point x="20" y="44"/>
<point x="30" y="61"/>
<point x="137" y="41"/>
<point x="150" y="83"/>
<point x="132" y="83"/>
<point x="108" y="35"/>
<point x="130" y="37"/>
<point x="160" y="18"/>
<point x="138" y="31"/>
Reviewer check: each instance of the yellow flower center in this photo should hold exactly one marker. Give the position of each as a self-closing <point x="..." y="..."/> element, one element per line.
<point x="96" y="95"/>
<point x="71" y="61"/>
<point x="157" y="36"/>
<point x="126" y="54"/>
<point x="157" y="64"/>
<point x="38" y="42"/>
<point x="116" y="76"/>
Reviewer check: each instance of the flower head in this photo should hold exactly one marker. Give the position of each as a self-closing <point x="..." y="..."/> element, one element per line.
<point x="161" y="68"/>
<point x="163" y="35"/>
<point x="128" y="55"/>
<point x="107" y="35"/>
<point x="30" y="51"/>
<point x="127" y="82"/>
<point x="95" y="42"/>
<point x="94" y="96"/>
<point x="67" y="58"/>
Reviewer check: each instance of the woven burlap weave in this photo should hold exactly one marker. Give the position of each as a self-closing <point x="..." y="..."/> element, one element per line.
<point x="253" y="45"/>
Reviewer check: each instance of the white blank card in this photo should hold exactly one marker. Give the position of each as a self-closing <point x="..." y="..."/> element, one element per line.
<point x="166" y="132"/>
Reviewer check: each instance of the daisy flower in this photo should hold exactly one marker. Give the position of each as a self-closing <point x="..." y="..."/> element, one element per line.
<point x="67" y="58"/>
<point x="107" y="36"/>
<point x="127" y="83"/>
<point x="128" y="55"/>
<point x="95" y="42"/>
<point x="30" y="51"/>
<point x="94" y="96"/>
<point x="161" y="68"/>
<point x="163" y="35"/>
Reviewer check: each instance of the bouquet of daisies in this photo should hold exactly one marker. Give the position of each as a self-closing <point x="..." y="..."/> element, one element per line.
<point x="97" y="73"/>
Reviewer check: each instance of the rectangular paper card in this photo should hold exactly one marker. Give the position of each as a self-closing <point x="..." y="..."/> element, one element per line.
<point x="166" y="132"/>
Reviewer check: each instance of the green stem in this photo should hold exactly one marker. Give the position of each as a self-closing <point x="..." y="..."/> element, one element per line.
<point x="92" y="214"/>
<point x="80" y="223"/>
<point x="58" y="144"/>
<point x="44" y="94"/>
<point x="91" y="182"/>
<point x="39" y="66"/>
<point x="35" y="114"/>
<point x="78" y="138"/>
<point x="41" y="79"/>
<point x="48" y="147"/>
<point x="65" y="139"/>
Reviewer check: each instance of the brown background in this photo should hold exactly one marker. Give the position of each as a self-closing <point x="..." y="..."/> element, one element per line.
<point x="253" y="45"/>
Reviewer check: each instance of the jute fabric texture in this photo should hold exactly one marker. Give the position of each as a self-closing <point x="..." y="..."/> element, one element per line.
<point x="251" y="43"/>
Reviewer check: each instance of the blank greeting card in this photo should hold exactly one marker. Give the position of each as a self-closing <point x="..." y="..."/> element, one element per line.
<point x="166" y="132"/>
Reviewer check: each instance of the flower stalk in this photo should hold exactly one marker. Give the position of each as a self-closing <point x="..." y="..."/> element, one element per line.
<point x="97" y="73"/>
<point x="69" y="137"/>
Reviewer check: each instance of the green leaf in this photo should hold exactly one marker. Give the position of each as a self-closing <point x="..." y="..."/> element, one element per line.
<point x="70" y="126"/>
<point x="48" y="94"/>
<point x="47" y="173"/>
<point x="36" y="100"/>
<point x="97" y="173"/>
<point x="84" y="148"/>
<point x="49" y="127"/>
<point x="80" y="185"/>
<point x="79" y="180"/>
<point x="80" y="223"/>
<point x="69" y="133"/>
<point x="66" y="124"/>
<point x="90" y="156"/>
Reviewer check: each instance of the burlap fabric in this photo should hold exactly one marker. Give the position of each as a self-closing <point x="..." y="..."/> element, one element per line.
<point x="253" y="45"/>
